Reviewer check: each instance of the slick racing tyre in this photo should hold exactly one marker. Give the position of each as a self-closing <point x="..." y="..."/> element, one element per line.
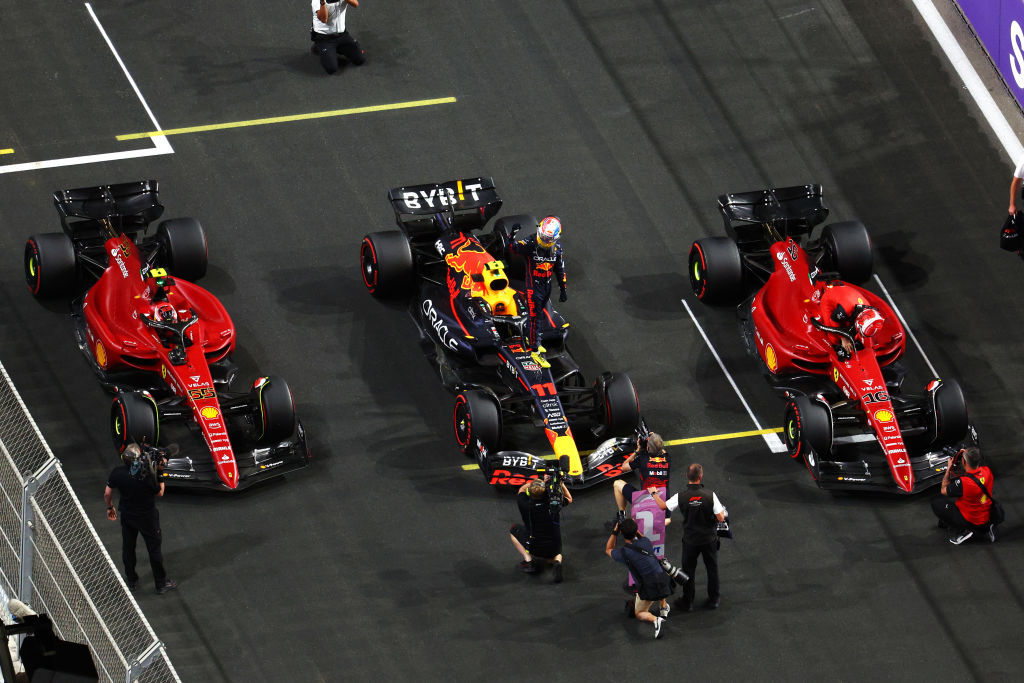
<point x="618" y="403"/>
<point x="133" y="418"/>
<point x="50" y="266"/>
<point x="951" y="420"/>
<point x="807" y="427"/>
<point x="716" y="271"/>
<point x="273" y="409"/>
<point x="185" y="248"/>
<point x="385" y="259"/>
<point x="848" y="251"/>
<point x="477" y="418"/>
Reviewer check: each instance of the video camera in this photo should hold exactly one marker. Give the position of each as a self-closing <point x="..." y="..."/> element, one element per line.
<point x="149" y="461"/>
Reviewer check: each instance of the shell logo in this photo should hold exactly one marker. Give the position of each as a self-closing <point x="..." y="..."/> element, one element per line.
<point x="101" y="354"/>
<point x="883" y="415"/>
<point x="210" y="413"/>
<point x="770" y="358"/>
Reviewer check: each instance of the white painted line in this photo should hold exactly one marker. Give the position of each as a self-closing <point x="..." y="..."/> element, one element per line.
<point x="905" y="325"/>
<point x="969" y="76"/>
<point x="773" y="441"/>
<point x="160" y="143"/>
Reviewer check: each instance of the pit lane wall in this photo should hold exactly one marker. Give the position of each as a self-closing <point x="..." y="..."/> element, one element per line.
<point x="999" y="26"/>
<point x="52" y="559"/>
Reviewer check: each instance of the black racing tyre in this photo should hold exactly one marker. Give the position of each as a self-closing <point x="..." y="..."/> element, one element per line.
<point x="807" y="426"/>
<point x="477" y="417"/>
<point x="273" y="409"/>
<point x="50" y="265"/>
<point x="185" y="247"/>
<point x="716" y="271"/>
<point x="134" y="418"/>
<point x="620" y="406"/>
<point x="951" y="419"/>
<point x="385" y="259"/>
<point x="848" y="251"/>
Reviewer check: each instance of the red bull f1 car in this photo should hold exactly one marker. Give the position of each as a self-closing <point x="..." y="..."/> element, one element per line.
<point x="462" y="292"/>
<point x="161" y="344"/>
<point x="832" y="349"/>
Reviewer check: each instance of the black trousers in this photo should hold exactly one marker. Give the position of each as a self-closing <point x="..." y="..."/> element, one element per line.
<point x="946" y="510"/>
<point x="709" y="551"/>
<point x="329" y="46"/>
<point x="537" y="296"/>
<point x="149" y="527"/>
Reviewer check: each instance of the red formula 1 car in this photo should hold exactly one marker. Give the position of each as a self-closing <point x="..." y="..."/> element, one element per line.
<point x="831" y="348"/>
<point x="159" y="342"/>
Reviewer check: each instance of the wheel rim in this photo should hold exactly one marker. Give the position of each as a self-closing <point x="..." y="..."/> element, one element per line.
<point x="463" y="423"/>
<point x="32" y="273"/>
<point x="698" y="279"/>
<point x="368" y="260"/>
<point x="792" y="432"/>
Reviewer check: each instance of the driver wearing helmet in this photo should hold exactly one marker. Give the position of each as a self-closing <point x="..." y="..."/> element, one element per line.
<point x="544" y="263"/>
<point x="843" y="308"/>
<point x="164" y="312"/>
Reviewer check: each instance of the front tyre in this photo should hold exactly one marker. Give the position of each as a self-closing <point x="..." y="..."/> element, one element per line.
<point x="134" y="419"/>
<point x="807" y="429"/>
<point x="618" y="404"/>
<point x="716" y="271"/>
<point x="951" y="420"/>
<point x="273" y="410"/>
<point x="50" y="265"/>
<point x="477" y="418"/>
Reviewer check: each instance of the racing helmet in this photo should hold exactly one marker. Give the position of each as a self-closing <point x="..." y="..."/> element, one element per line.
<point x="869" y="321"/>
<point x="165" y="312"/>
<point x="549" y="231"/>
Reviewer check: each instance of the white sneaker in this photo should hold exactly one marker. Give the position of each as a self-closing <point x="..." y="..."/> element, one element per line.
<point x="961" y="537"/>
<point x="663" y="612"/>
<point x="657" y="627"/>
<point x="991" y="533"/>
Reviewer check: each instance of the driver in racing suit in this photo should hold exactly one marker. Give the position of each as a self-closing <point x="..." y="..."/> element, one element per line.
<point x="843" y="308"/>
<point x="544" y="262"/>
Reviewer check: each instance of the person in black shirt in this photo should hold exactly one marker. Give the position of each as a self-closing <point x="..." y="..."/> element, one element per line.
<point x="653" y="584"/>
<point x="701" y="513"/>
<point x="137" y="482"/>
<point x="540" y="534"/>
<point x="651" y="462"/>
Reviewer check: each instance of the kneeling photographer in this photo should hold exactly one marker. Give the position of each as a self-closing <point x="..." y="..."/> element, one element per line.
<point x="653" y="581"/>
<point x="138" y="481"/>
<point x="965" y="504"/>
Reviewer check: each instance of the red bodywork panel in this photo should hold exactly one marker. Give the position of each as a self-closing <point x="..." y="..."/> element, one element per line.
<point x="789" y="344"/>
<point x="120" y="339"/>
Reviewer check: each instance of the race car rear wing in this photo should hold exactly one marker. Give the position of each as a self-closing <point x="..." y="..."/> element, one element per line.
<point x="791" y="211"/>
<point x="130" y="206"/>
<point x="470" y="202"/>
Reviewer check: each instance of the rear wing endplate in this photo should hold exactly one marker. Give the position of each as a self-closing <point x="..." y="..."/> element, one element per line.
<point x="471" y="201"/>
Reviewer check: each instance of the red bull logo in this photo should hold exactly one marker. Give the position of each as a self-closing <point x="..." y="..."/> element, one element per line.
<point x="468" y="259"/>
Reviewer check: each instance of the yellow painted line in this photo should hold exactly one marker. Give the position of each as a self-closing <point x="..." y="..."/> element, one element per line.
<point x="287" y="119"/>
<point x="680" y="442"/>
<point x="6" y="151"/>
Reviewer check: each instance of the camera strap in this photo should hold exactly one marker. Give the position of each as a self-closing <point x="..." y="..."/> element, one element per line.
<point x="980" y="485"/>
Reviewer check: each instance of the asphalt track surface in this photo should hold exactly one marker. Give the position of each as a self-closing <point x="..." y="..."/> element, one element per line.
<point x="386" y="559"/>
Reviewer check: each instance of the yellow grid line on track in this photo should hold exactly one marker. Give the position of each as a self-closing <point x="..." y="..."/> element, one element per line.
<point x="680" y="442"/>
<point x="6" y="151"/>
<point x="288" y="119"/>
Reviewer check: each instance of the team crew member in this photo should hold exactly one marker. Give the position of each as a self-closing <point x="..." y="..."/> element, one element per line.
<point x="1015" y="183"/>
<point x="653" y="584"/>
<point x="651" y="462"/>
<point x="701" y="513"/>
<point x="544" y="262"/>
<point x="962" y="505"/>
<point x="330" y="37"/>
<point x="136" y="479"/>
<point x="539" y="537"/>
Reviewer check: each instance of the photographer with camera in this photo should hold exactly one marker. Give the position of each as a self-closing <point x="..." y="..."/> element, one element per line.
<point x="702" y="511"/>
<point x="651" y="462"/>
<point x="539" y="537"/>
<point x="138" y="481"/>
<point x="965" y="497"/>
<point x="653" y="583"/>
<point x="330" y="35"/>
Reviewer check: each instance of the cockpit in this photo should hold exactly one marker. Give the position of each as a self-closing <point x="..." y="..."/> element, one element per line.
<point x="492" y="298"/>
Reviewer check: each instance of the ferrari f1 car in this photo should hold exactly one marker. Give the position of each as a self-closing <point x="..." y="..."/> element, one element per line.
<point x="460" y="290"/>
<point x="161" y="344"/>
<point x="846" y="414"/>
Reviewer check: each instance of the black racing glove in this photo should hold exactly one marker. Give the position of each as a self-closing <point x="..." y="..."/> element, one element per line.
<point x="562" y="296"/>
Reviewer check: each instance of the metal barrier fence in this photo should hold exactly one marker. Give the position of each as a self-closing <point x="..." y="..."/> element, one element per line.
<point x="52" y="559"/>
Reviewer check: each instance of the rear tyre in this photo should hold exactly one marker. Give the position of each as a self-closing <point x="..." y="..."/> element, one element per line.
<point x="385" y="259"/>
<point x="477" y="417"/>
<point x="951" y="419"/>
<point x="133" y="419"/>
<point x="273" y="409"/>
<point x="848" y="250"/>
<point x="184" y="243"/>
<point x="716" y="271"/>
<point x="620" y="406"/>
<point x="50" y="265"/>
<point x="807" y="427"/>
